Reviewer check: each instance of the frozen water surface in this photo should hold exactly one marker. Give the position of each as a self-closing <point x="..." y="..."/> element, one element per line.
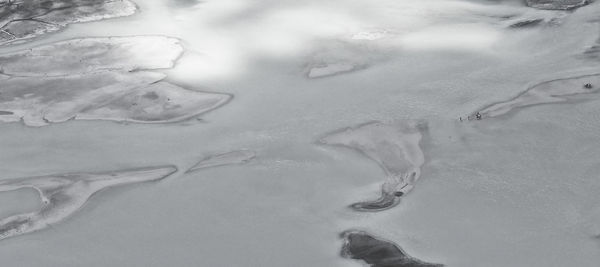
<point x="515" y="190"/>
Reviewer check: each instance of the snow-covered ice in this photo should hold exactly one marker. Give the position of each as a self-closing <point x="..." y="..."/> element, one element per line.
<point x="395" y="147"/>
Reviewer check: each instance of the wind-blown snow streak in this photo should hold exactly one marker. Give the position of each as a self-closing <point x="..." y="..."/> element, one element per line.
<point x="554" y="91"/>
<point x="233" y="157"/>
<point x="98" y="79"/>
<point x="24" y="19"/>
<point x="375" y="252"/>
<point x="62" y="195"/>
<point x="395" y="147"/>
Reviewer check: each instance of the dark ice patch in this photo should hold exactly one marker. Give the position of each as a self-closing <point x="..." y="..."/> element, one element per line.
<point x="526" y="23"/>
<point x="359" y="245"/>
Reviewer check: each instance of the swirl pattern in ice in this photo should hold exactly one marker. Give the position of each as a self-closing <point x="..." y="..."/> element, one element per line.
<point x="62" y="195"/>
<point x="395" y="147"/>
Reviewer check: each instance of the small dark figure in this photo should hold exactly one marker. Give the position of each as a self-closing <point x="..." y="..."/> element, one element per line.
<point x="478" y="116"/>
<point x="588" y="86"/>
<point x="399" y="193"/>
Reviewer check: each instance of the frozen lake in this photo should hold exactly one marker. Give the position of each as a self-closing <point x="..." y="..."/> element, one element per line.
<point x="245" y="100"/>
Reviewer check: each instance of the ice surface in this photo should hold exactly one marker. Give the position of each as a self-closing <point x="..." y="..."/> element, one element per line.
<point x="24" y="19"/>
<point x="554" y="91"/>
<point x="516" y="192"/>
<point x="228" y="158"/>
<point x="104" y="80"/>
<point x="395" y="147"/>
<point x="62" y="195"/>
<point x="556" y="4"/>
<point x="376" y="252"/>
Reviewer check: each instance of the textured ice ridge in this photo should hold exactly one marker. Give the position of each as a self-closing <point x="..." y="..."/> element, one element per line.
<point x="395" y="147"/>
<point x="228" y="158"/>
<point x="21" y="20"/>
<point x="62" y="195"/>
<point x="98" y="79"/>
<point x="554" y="91"/>
<point x="375" y="252"/>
